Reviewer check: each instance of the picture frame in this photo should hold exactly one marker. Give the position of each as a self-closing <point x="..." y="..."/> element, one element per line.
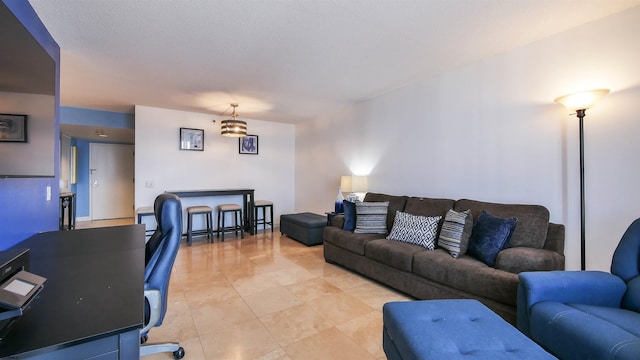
<point x="248" y="145"/>
<point x="13" y="128"/>
<point x="191" y="139"/>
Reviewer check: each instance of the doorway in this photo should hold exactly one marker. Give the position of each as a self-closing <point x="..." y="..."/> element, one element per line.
<point x="111" y="181"/>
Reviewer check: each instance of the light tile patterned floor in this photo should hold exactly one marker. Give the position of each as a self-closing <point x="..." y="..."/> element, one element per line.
<point x="269" y="297"/>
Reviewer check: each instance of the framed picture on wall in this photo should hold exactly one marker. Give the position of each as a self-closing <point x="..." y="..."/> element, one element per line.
<point x="13" y="128"/>
<point x="191" y="139"/>
<point x="248" y="145"/>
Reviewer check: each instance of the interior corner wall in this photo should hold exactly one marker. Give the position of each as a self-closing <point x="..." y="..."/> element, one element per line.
<point x="490" y="131"/>
<point x="160" y="164"/>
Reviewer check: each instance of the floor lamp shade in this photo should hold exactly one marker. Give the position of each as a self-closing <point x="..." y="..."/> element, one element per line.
<point x="580" y="102"/>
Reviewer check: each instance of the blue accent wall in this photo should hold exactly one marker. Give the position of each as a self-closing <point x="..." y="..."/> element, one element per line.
<point x="82" y="186"/>
<point x="25" y="210"/>
<point x="88" y="117"/>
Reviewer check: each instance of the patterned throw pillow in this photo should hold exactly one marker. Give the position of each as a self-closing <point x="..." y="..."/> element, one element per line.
<point x="415" y="229"/>
<point x="455" y="233"/>
<point x="489" y="236"/>
<point x="371" y="217"/>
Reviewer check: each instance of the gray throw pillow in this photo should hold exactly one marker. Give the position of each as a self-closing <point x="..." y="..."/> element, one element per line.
<point x="455" y="233"/>
<point x="371" y="217"/>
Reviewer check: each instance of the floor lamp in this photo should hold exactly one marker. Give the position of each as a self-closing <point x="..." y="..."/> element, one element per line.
<point x="580" y="102"/>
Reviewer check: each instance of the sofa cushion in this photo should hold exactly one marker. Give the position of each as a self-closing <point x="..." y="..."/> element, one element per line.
<point x="517" y="260"/>
<point x="455" y="232"/>
<point x="533" y="220"/>
<point x="347" y="240"/>
<point x="631" y="299"/>
<point x="611" y="333"/>
<point x="396" y="203"/>
<point x="428" y="206"/>
<point x="415" y="229"/>
<point x="349" y="215"/>
<point x="393" y="253"/>
<point x="466" y="274"/>
<point x="371" y="217"/>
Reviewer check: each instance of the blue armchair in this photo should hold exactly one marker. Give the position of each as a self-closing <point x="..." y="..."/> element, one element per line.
<point x="160" y="254"/>
<point x="586" y="314"/>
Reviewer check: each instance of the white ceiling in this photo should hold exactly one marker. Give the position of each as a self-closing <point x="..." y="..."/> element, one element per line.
<point x="283" y="60"/>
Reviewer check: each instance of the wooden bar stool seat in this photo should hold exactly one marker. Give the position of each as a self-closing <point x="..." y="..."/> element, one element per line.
<point x="237" y="219"/>
<point x="199" y="210"/>
<point x="263" y="205"/>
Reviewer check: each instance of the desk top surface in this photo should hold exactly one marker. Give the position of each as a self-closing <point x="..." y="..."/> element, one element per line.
<point x="210" y="192"/>
<point x="94" y="288"/>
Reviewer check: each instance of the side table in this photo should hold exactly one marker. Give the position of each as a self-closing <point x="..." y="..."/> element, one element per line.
<point x="331" y="215"/>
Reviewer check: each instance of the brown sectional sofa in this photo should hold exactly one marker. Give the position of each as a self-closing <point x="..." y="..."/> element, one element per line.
<point x="536" y="244"/>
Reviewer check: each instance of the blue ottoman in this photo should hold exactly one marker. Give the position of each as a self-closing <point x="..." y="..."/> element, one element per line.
<point x="452" y="329"/>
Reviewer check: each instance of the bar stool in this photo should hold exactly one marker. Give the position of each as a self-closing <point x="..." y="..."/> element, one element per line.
<point x="262" y="205"/>
<point x="199" y="210"/>
<point x="237" y="224"/>
<point x="141" y="214"/>
<point x="67" y="210"/>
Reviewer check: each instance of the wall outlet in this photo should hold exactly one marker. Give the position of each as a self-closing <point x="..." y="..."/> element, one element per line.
<point x="148" y="184"/>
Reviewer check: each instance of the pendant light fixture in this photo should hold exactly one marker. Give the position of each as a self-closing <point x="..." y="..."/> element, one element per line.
<point x="233" y="127"/>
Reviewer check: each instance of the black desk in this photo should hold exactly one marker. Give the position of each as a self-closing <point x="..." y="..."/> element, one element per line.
<point x="93" y="300"/>
<point x="247" y="201"/>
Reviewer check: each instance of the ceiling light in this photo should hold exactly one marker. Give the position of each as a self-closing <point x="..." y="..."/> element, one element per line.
<point x="233" y="127"/>
<point x="101" y="133"/>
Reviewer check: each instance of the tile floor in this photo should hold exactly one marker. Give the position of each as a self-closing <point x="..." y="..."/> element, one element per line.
<point x="268" y="297"/>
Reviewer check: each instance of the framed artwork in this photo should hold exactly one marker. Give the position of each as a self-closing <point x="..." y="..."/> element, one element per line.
<point x="13" y="128"/>
<point x="248" y="145"/>
<point x="191" y="139"/>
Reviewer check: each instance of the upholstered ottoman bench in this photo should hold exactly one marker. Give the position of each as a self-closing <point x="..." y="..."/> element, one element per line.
<point x="306" y="228"/>
<point x="452" y="329"/>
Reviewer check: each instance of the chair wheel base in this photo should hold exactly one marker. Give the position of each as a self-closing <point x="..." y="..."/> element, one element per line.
<point x="178" y="354"/>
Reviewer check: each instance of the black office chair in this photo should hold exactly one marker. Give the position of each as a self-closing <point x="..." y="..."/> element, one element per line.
<point x="160" y="253"/>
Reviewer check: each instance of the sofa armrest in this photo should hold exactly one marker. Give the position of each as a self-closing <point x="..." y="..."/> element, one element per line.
<point x="338" y="221"/>
<point x="577" y="287"/>
<point x="518" y="259"/>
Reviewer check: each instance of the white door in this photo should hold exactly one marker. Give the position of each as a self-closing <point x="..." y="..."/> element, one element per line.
<point x="111" y="181"/>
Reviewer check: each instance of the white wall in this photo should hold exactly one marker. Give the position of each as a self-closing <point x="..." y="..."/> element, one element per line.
<point x="36" y="156"/>
<point x="219" y="166"/>
<point x="491" y="131"/>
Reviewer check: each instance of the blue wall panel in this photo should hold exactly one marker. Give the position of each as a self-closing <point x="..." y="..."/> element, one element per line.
<point x="25" y="209"/>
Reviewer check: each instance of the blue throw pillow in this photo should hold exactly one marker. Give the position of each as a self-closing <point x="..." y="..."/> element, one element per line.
<point x="349" y="215"/>
<point x="490" y="234"/>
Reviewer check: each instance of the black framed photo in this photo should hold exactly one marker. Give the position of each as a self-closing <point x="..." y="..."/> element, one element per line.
<point x="13" y="128"/>
<point x="191" y="139"/>
<point x="248" y="145"/>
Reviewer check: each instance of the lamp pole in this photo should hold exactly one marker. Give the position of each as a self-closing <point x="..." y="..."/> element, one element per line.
<point x="581" y="113"/>
<point x="580" y="102"/>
